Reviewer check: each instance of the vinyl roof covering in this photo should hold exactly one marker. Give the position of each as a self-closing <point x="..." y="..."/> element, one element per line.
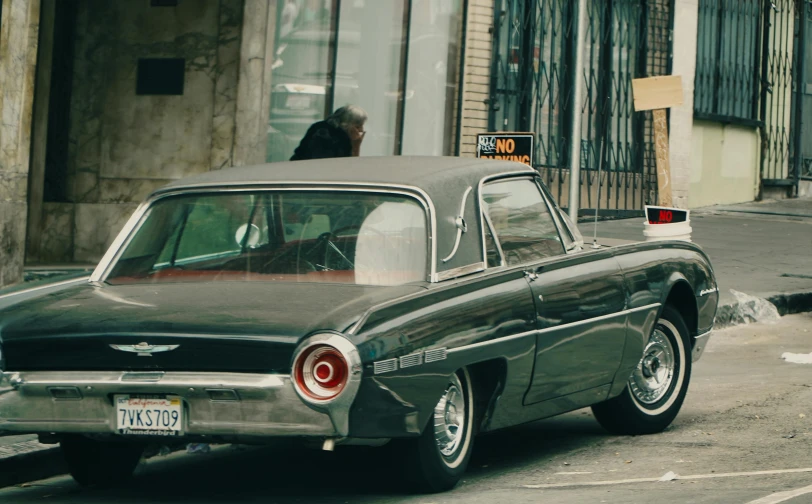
<point x="430" y="173"/>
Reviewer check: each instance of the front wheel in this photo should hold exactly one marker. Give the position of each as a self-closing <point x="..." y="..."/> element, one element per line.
<point x="656" y="389"/>
<point x="438" y="458"/>
<point x="100" y="463"/>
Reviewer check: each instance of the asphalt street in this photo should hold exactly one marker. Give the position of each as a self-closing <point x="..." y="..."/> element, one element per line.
<point x="743" y="436"/>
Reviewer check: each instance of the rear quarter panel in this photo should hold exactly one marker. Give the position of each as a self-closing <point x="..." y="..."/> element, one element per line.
<point x="664" y="272"/>
<point x="487" y="317"/>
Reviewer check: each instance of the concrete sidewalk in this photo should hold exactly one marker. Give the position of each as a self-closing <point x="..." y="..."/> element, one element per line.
<point x="762" y="250"/>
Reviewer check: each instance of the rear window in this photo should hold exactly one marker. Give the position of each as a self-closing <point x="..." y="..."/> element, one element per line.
<point x="295" y="236"/>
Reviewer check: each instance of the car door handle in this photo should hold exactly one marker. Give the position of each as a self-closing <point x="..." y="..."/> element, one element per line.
<point x="531" y="275"/>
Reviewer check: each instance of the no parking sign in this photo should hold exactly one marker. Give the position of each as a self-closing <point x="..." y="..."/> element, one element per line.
<point x="507" y="146"/>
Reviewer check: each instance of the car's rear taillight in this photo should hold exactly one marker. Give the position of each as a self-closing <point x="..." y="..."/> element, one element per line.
<point x="321" y="372"/>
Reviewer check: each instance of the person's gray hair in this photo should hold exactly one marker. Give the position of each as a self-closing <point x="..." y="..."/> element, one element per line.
<point x="346" y="116"/>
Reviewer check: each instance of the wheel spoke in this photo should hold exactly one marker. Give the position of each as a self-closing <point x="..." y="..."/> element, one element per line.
<point x="652" y="378"/>
<point x="449" y="418"/>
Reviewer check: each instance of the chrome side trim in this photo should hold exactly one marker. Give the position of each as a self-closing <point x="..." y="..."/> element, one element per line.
<point x="125" y="235"/>
<point x="411" y="360"/>
<point x="704" y="334"/>
<point x="385" y="366"/>
<point x="598" y="319"/>
<point x="435" y="354"/>
<point x="700" y="342"/>
<point x="461" y="271"/>
<point x="554" y="328"/>
<point x="48" y="286"/>
<point x="493" y="341"/>
<point x="705" y="292"/>
<point x="460" y="228"/>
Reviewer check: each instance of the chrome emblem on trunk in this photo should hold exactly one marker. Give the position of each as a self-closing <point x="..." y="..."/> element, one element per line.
<point x="144" y="349"/>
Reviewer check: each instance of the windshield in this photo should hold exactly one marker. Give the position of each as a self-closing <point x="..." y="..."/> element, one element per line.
<point x="294" y="236"/>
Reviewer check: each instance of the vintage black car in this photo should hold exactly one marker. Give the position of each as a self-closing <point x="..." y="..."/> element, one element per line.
<point x="360" y="300"/>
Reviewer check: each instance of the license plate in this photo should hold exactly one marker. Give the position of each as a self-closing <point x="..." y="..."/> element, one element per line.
<point x="153" y="415"/>
<point x="297" y="102"/>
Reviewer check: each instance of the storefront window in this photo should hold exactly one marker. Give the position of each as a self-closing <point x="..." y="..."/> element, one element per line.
<point x="369" y="70"/>
<point x="408" y="83"/>
<point x="300" y="72"/>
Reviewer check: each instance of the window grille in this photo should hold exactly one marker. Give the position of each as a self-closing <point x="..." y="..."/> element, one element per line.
<point x="729" y="34"/>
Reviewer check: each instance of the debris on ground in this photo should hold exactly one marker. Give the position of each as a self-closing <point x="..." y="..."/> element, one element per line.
<point x="669" y="476"/>
<point x="750" y="309"/>
<point x="797" y="358"/>
<point x="198" y="448"/>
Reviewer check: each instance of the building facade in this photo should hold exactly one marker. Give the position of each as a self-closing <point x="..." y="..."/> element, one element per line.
<point x="102" y="102"/>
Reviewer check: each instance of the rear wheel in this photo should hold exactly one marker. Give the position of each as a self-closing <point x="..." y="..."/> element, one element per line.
<point x="654" y="393"/>
<point x="100" y="463"/>
<point x="438" y="458"/>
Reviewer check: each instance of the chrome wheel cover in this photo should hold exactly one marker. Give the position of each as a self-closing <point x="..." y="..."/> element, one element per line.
<point x="449" y="418"/>
<point x="654" y="374"/>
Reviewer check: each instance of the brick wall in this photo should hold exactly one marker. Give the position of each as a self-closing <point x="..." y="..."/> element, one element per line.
<point x="476" y="74"/>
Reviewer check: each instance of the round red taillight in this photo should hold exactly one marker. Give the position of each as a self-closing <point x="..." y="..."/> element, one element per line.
<point x="321" y="372"/>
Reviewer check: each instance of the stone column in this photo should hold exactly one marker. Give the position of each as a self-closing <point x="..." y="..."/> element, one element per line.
<point x="225" y="83"/>
<point x="39" y="132"/>
<point x="19" y="29"/>
<point x="254" y="85"/>
<point x="686" y="17"/>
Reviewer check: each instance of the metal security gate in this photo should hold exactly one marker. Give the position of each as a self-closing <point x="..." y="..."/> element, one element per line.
<point x="531" y="90"/>
<point x="801" y="137"/>
<point x="751" y="71"/>
<point x="778" y="20"/>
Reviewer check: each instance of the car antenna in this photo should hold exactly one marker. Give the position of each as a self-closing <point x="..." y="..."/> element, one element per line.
<point x="601" y="156"/>
<point x="598" y="206"/>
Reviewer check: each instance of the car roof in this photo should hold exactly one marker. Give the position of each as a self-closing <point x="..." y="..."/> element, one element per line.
<point x="437" y="176"/>
<point x="449" y="183"/>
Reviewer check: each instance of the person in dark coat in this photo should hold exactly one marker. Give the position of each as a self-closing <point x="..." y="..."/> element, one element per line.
<point x="340" y="135"/>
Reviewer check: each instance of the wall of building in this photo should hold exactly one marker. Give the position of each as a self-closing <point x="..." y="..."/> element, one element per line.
<point x="19" y="29"/>
<point x="477" y="74"/>
<point x="686" y="14"/>
<point x="725" y="164"/>
<point x="123" y="145"/>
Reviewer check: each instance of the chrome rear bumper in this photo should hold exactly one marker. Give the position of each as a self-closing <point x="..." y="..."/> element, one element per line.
<point x="215" y="404"/>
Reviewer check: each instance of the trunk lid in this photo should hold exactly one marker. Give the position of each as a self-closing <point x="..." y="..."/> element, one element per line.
<point x="222" y="326"/>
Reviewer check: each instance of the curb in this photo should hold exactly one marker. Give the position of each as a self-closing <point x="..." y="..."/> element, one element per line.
<point x="794" y="302"/>
<point x="786" y="303"/>
<point x="30" y="461"/>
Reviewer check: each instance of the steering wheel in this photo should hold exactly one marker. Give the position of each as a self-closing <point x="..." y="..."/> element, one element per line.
<point x="326" y="240"/>
<point x="290" y="263"/>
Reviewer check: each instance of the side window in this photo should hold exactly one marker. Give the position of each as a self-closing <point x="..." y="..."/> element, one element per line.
<point x="569" y="231"/>
<point x="521" y="221"/>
